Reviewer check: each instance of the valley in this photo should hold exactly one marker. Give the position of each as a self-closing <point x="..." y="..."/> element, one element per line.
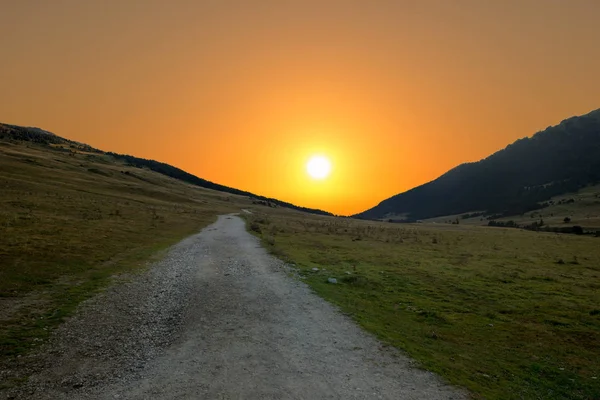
<point x="500" y="312"/>
<point x="304" y="200"/>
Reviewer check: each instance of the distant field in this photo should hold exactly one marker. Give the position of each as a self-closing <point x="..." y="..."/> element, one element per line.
<point x="70" y="220"/>
<point x="582" y="208"/>
<point x="508" y="314"/>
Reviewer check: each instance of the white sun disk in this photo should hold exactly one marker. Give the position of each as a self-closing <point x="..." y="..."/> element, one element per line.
<point x="318" y="167"/>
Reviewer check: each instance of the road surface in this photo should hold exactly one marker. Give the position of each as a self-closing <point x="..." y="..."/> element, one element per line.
<point x="219" y="318"/>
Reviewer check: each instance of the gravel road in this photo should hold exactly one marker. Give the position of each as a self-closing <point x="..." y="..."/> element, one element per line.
<point x="219" y="318"/>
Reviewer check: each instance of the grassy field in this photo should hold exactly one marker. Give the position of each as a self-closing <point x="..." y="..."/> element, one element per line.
<point x="582" y="208"/>
<point x="508" y="314"/>
<point x="69" y="221"/>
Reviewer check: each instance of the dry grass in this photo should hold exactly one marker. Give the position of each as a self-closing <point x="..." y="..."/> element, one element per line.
<point x="508" y="314"/>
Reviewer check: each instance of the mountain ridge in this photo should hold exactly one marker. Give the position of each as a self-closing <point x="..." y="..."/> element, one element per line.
<point x="559" y="159"/>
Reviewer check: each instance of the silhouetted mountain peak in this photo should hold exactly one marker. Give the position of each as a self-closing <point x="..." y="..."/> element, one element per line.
<point x="557" y="160"/>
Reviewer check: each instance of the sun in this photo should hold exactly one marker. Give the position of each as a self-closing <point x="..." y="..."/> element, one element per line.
<point x="318" y="167"/>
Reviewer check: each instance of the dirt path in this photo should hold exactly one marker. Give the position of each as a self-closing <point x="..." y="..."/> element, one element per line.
<point x="240" y="329"/>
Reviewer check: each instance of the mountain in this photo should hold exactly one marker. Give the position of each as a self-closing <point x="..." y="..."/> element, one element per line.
<point x="37" y="135"/>
<point x="517" y="179"/>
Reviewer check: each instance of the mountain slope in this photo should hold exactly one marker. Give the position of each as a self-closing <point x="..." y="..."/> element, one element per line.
<point x="514" y="180"/>
<point x="41" y="136"/>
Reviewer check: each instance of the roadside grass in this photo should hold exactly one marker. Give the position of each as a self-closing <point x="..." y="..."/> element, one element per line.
<point x="505" y="313"/>
<point x="70" y="222"/>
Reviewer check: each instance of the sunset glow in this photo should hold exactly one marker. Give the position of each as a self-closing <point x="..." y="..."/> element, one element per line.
<point x="242" y="93"/>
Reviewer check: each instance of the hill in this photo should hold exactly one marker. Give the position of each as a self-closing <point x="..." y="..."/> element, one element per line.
<point x="40" y="136"/>
<point x="512" y="181"/>
<point x="73" y="219"/>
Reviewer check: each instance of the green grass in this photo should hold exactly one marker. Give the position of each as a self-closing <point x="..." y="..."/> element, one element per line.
<point x="508" y="314"/>
<point x="583" y="209"/>
<point x="69" y="223"/>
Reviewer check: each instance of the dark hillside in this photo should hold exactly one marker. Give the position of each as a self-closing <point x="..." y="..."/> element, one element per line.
<point x="560" y="159"/>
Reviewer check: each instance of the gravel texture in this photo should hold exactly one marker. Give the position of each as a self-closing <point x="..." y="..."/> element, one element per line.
<point x="219" y="318"/>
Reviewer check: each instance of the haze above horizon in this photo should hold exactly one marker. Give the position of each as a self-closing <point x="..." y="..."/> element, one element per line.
<point x="392" y="93"/>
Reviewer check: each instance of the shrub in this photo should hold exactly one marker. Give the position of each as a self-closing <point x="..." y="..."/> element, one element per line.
<point x="255" y="227"/>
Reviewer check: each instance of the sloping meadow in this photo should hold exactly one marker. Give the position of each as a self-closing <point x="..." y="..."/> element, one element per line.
<point x="70" y="221"/>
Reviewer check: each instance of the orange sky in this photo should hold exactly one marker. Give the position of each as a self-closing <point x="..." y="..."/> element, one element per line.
<point x="242" y="92"/>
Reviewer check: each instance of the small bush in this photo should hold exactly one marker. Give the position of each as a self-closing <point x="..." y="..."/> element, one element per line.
<point x="255" y="227"/>
<point x="356" y="280"/>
